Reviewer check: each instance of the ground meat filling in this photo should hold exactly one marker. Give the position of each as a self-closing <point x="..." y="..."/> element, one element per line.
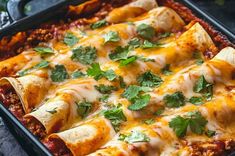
<point x="214" y="148"/>
<point x="35" y="127"/>
<point x="10" y="99"/>
<point x="57" y="147"/>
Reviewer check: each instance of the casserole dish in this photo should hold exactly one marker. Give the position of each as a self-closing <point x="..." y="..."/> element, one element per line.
<point x="71" y="101"/>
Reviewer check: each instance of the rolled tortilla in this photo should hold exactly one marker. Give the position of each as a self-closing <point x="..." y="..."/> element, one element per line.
<point x="133" y="9"/>
<point x="87" y="137"/>
<point x="11" y="66"/>
<point x="61" y="110"/>
<point x="31" y="89"/>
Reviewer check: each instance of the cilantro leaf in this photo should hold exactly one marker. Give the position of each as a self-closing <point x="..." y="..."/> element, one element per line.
<point x="104" y="98"/>
<point x="149" y="121"/>
<point x="159" y="111"/>
<point x="194" y="120"/>
<point x="139" y="102"/>
<point x="146" y="31"/>
<point x="210" y="133"/>
<point x="164" y="35"/>
<point x="122" y="83"/>
<point x="110" y="75"/>
<point x="179" y="125"/>
<point x="174" y="100"/>
<point x="196" y="100"/>
<point x="116" y="116"/>
<point x="84" y="55"/>
<point x="40" y="65"/>
<point x="99" y="24"/>
<point x="198" y="57"/>
<point x="134" y="137"/>
<point x="127" y="61"/>
<point x="70" y="39"/>
<point x="166" y="70"/>
<point x="132" y="91"/>
<point x="135" y="42"/>
<point x="97" y="73"/>
<point x="43" y="50"/>
<point x="119" y="53"/>
<point x="197" y="122"/>
<point x="111" y="36"/>
<point x="59" y="73"/>
<point x="77" y="74"/>
<point x="148" y="79"/>
<point x="147" y="44"/>
<point x="105" y="89"/>
<point x="84" y="108"/>
<point x="53" y="111"/>
<point x="203" y="87"/>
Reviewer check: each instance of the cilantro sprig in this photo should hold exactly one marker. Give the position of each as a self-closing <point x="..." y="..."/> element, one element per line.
<point x="116" y="116"/>
<point x="85" y="55"/>
<point x="99" y="24"/>
<point x="146" y="31"/>
<point x="84" y="108"/>
<point x="194" y="120"/>
<point x="111" y="36"/>
<point x="40" y="65"/>
<point x="148" y="79"/>
<point x="174" y="100"/>
<point x="203" y="87"/>
<point x="135" y="136"/>
<point x="59" y="73"/>
<point x="96" y="72"/>
<point x="105" y="89"/>
<point x="70" y="39"/>
<point x="43" y="50"/>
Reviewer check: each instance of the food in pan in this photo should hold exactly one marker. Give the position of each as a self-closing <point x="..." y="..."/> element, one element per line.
<point x="138" y="80"/>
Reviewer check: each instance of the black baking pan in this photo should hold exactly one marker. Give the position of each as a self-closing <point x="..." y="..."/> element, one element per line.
<point x="27" y="140"/>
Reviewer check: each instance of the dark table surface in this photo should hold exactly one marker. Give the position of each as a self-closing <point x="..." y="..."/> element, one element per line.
<point x="223" y="10"/>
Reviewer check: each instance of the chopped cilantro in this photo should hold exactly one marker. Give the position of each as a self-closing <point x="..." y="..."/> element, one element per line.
<point x="43" y="50"/>
<point x="121" y="82"/>
<point x="127" y="61"/>
<point x="196" y="100"/>
<point x="104" y="98"/>
<point x="174" y="100"/>
<point x="97" y="73"/>
<point x="70" y="39"/>
<point x="197" y="122"/>
<point x="77" y="74"/>
<point x="148" y="79"/>
<point x="98" y="24"/>
<point x="166" y="34"/>
<point x="149" y="121"/>
<point x="134" y="137"/>
<point x="40" y="65"/>
<point x="119" y="53"/>
<point x="105" y="89"/>
<point x="135" y="42"/>
<point x="179" y="125"/>
<point x="53" y="111"/>
<point x="83" y="108"/>
<point x="146" y="31"/>
<point x="147" y="44"/>
<point x="194" y="120"/>
<point x="204" y="87"/>
<point x="145" y="59"/>
<point x="133" y="91"/>
<point x="198" y="57"/>
<point x="210" y="133"/>
<point x="84" y="55"/>
<point x="159" y="111"/>
<point x="139" y="102"/>
<point x="59" y="73"/>
<point x="111" y="36"/>
<point x="116" y="116"/>
<point x="166" y="70"/>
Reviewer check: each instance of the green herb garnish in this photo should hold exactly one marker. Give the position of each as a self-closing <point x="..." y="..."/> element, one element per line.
<point x="134" y="137"/>
<point x="174" y="100"/>
<point x="105" y="89"/>
<point x="70" y="39"/>
<point x="111" y="36"/>
<point x="59" y="73"/>
<point x="84" y="55"/>
<point x="99" y="24"/>
<point x="84" y="108"/>
<point x="146" y="31"/>
<point x="43" y="50"/>
<point x="148" y="79"/>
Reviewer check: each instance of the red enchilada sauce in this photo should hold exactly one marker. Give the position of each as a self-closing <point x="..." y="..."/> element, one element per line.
<point x="57" y="147"/>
